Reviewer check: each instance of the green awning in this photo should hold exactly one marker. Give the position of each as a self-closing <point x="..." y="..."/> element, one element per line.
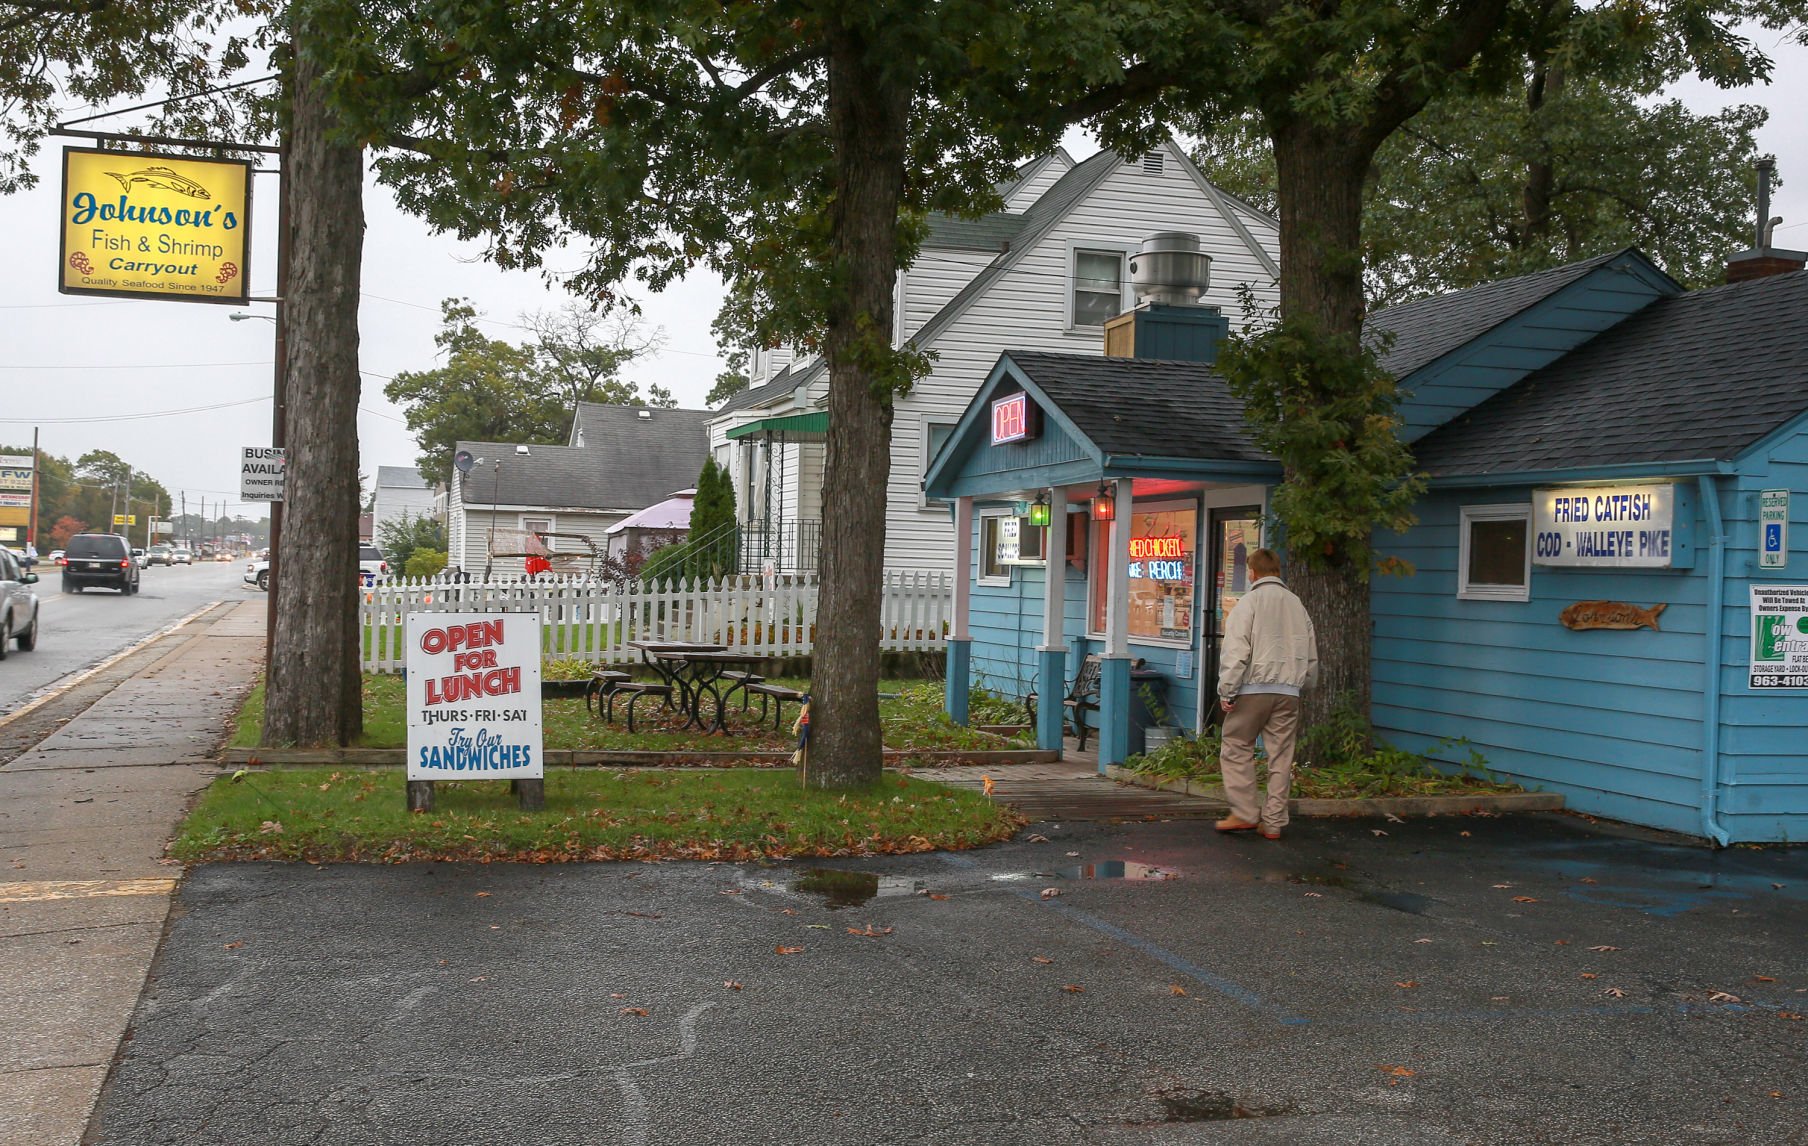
<point x="810" y="427"/>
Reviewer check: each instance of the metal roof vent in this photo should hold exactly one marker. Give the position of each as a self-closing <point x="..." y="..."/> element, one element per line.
<point x="1170" y="268"/>
<point x="1153" y="163"/>
<point x="645" y="413"/>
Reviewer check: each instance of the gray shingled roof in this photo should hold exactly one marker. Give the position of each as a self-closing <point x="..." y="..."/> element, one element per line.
<point x="1140" y="407"/>
<point x="402" y="477"/>
<point x="627" y="461"/>
<point x="1429" y="328"/>
<point x="1696" y="376"/>
<point x="993" y="232"/>
<point x="780" y="384"/>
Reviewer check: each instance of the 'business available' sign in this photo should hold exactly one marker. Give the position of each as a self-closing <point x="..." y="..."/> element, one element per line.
<point x="474" y="696"/>
<point x="138" y="225"/>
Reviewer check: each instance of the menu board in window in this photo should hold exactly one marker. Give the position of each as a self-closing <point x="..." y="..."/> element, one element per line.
<point x="1163" y="554"/>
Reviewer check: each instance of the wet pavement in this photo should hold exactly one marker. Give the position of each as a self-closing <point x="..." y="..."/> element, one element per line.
<point x="1448" y="980"/>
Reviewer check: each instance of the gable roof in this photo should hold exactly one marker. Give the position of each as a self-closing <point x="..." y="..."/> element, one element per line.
<point x="628" y="461"/>
<point x="1142" y="407"/>
<point x="1693" y="377"/>
<point x="402" y="477"/>
<point x="1427" y="329"/>
<point x="780" y="384"/>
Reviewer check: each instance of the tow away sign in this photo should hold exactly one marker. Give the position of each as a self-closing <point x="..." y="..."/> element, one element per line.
<point x="262" y="470"/>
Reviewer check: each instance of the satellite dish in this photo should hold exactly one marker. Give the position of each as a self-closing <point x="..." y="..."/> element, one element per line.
<point x="462" y="461"/>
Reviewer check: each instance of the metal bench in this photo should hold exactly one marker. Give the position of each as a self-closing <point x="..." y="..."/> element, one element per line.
<point x="602" y="682"/>
<point x="776" y="695"/>
<point x="743" y="681"/>
<point x="634" y="690"/>
<point x="1083" y="697"/>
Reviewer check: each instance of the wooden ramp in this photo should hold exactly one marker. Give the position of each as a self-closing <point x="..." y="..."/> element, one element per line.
<point x="1072" y="790"/>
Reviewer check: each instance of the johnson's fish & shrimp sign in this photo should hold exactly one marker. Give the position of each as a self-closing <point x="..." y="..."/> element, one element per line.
<point x="474" y="696"/>
<point x="141" y="225"/>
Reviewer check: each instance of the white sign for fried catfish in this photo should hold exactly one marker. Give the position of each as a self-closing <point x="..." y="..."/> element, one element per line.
<point x="474" y="696"/>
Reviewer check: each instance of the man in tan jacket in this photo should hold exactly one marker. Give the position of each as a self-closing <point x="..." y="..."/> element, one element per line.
<point x="1268" y="655"/>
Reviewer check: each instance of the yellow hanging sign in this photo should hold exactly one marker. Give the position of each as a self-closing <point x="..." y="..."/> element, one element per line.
<point x="139" y="225"/>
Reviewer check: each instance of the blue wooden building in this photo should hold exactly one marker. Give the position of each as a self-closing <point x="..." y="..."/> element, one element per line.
<point x="1610" y="595"/>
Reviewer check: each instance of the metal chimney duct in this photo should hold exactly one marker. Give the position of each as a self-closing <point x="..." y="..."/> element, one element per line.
<point x="1767" y="167"/>
<point x="1169" y="267"/>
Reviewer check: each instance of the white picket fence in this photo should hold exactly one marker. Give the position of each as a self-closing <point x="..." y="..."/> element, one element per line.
<point x="594" y="621"/>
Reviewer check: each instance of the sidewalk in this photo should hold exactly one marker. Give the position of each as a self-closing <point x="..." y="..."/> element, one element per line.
<point x="84" y="890"/>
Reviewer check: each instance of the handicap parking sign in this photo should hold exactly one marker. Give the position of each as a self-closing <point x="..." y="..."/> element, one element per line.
<point x="1773" y="538"/>
<point x="1773" y="515"/>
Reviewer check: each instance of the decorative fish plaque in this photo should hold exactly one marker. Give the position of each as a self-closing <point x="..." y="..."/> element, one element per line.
<point x="1610" y="615"/>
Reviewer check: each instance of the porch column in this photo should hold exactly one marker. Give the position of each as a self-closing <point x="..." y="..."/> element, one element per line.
<point x="958" y="674"/>
<point x="1114" y="669"/>
<point x="1051" y="655"/>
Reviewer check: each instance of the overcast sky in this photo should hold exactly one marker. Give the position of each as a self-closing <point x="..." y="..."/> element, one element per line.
<point x="85" y="370"/>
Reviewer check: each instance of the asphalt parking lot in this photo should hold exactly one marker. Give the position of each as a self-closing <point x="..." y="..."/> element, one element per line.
<point x="1456" y="979"/>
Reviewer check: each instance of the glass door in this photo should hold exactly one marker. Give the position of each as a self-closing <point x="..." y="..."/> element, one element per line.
<point x="1234" y="534"/>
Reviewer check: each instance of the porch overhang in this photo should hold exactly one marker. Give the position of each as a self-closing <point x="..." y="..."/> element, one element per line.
<point x="812" y="426"/>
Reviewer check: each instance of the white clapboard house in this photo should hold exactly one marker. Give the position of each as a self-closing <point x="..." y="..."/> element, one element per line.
<point x="1043" y="274"/>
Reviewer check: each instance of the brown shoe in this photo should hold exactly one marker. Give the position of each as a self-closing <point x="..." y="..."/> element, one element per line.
<point x="1232" y="824"/>
<point x="1271" y="833"/>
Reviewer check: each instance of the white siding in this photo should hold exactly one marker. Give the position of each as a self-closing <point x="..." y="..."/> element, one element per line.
<point x="1031" y="189"/>
<point x="399" y="503"/>
<point x="937" y="276"/>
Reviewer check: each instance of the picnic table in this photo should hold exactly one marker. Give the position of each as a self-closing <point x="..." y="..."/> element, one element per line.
<point x="700" y="671"/>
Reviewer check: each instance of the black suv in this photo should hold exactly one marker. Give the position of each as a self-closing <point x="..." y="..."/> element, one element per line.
<point x="99" y="559"/>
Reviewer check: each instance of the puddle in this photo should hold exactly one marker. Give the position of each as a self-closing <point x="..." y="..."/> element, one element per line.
<point x="1409" y="902"/>
<point x="840" y="888"/>
<point x="1116" y="869"/>
<point x="1210" y="1106"/>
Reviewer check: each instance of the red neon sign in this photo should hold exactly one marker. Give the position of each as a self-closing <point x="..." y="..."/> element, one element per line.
<point x="1013" y="419"/>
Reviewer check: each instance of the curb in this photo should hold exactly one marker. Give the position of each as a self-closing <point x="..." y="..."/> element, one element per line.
<point x="630" y="758"/>
<point x="1370" y="806"/>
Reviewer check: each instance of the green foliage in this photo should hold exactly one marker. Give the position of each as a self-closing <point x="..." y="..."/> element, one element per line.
<point x="1323" y="405"/>
<point x="713" y="543"/>
<point x="986" y="706"/>
<point x="1182" y="758"/>
<point x="425" y="562"/>
<point x="400" y="539"/>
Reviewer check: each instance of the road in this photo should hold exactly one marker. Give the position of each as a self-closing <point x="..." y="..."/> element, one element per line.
<point x="76" y="630"/>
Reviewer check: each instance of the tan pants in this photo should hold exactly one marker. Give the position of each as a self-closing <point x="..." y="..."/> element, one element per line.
<point x="1275" y="718"/>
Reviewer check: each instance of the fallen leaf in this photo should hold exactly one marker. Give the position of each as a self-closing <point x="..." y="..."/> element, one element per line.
<point x="1524" y="899"/>
<point x="1723" y="997"/>
<point x="1604" y="947"/>
<point x="641" y="1011"/>
<point x="1421" y="941"/>
<point x="787" y="950"/>
<point x="1500" y="886"/>
<point x="819" y="927"/>
<point x="479" y="979"/>
<point x="1586" y="879"/>
<point x="1776" y="887"/>
<point x="234" y="945"/>
<point x="1399" y="1071"/>
<point x="1615" y="992"/>
<point x="1073" y="855"/>
<point x="729" y="891"/>
<point x="1177" y="989"/>
<point x="731" y="984"/>
<point x="1050" y="892"/>
<point x="1042" y="959"/>
<point x="617" y="995"/>
<point x="1407" y="985"/>
<point x="1590" y="975"/>
<point x="481" y="895"/>
<point x="1791" y="1015"/>
<point x="937" y="895"/>
<point x="1073" y="988"/>
<point x="788" y="911"/>
<point x="1561" y="943"/>
<point x="1765" y="978"/>
<point x="1463" y="834"/>
<point x="1037" y="839"/>
<point x="986" y="782"/>
<point x="1776" y="1094"/>
<point x="271" y="828"/>
<point x="869" y="931"/>
<point x="1315" y="895"/>
<point x="495" y="927"/>
<point x="1393" y="819"/>
<point x="1377" y="831"/>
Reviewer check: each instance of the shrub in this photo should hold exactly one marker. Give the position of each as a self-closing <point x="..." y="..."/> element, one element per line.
<point x="425" y="562"/>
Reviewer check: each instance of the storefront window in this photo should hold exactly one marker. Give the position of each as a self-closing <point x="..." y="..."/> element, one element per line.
<point x="1163" y="559"/>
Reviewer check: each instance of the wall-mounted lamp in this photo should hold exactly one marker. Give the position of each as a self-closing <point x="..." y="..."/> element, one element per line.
<point x="1104" y="503"/>
<point x="1039" y="512"/>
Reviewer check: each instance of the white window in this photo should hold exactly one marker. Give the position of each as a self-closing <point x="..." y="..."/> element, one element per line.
<point x="997" y="547"/>
<point x="1494" y="558"/>
<point x="935" y="434"/>
<point x="1098" y="287"/>
<point x="530" y="527"/>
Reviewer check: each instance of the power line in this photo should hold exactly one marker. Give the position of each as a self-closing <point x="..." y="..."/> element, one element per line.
<point x="170" y="99"/>
<point x="137" y="417"/>
<point x="133" y="366"/>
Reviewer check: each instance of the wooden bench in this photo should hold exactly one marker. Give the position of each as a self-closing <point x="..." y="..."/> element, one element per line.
<point x="602" y="682"/>
<point x="634" y="690"/>
<point x="776" y="695"/>
<point x="1083" y="697"/>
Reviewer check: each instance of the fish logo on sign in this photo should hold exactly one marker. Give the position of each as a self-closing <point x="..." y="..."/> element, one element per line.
<point x="164" y="179"/>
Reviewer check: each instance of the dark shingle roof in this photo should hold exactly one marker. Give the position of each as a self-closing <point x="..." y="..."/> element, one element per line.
<point x="987" y="233"/>
<point x="1429" y="328"/>
<point x="1696" y="376"/>
<point x="781" y="383"/>
<point x="1132" y="407"/>
<point x="626" y="462"/>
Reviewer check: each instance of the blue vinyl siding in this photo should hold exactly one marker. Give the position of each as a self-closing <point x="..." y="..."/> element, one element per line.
<point x="1612" y="719"/>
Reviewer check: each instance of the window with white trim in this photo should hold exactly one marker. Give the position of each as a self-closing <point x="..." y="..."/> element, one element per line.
<point x="934" y="435"/>
<point x="1098" y="287"/>
<point x="1494" y="557"/>
<point x="997" y="547"/>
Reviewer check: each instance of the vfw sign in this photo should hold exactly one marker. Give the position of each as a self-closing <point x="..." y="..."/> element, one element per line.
<point x="474" y="696"/>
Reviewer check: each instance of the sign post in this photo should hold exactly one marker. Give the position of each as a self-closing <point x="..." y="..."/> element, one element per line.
<point x="1773" y="526"/>
<point x="474" y="703"/>
<point x="16" y="474"/>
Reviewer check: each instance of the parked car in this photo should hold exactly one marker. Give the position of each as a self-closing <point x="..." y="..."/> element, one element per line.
<point x="258" y="573"/>
<point x="158" y="555"/>
<point x="182" y="557"/>
<point x="371" y="564"/>
<point x="100" y="559"/>
<point x="57" y="558"/>
<point x="18" y="605"/>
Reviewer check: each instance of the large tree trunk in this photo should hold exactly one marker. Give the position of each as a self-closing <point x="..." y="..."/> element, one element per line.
<point x="314" y="694"/>
<point x="869" y="114"/>
<point x="1321" y="172"/>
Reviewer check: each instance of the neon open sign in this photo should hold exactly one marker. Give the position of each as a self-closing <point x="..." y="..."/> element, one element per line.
<point x="1013" y="419"/>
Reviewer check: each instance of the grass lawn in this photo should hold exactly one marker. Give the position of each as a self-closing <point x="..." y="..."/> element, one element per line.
<point x="912" y="719"/>
<point x="325" y="815"/>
